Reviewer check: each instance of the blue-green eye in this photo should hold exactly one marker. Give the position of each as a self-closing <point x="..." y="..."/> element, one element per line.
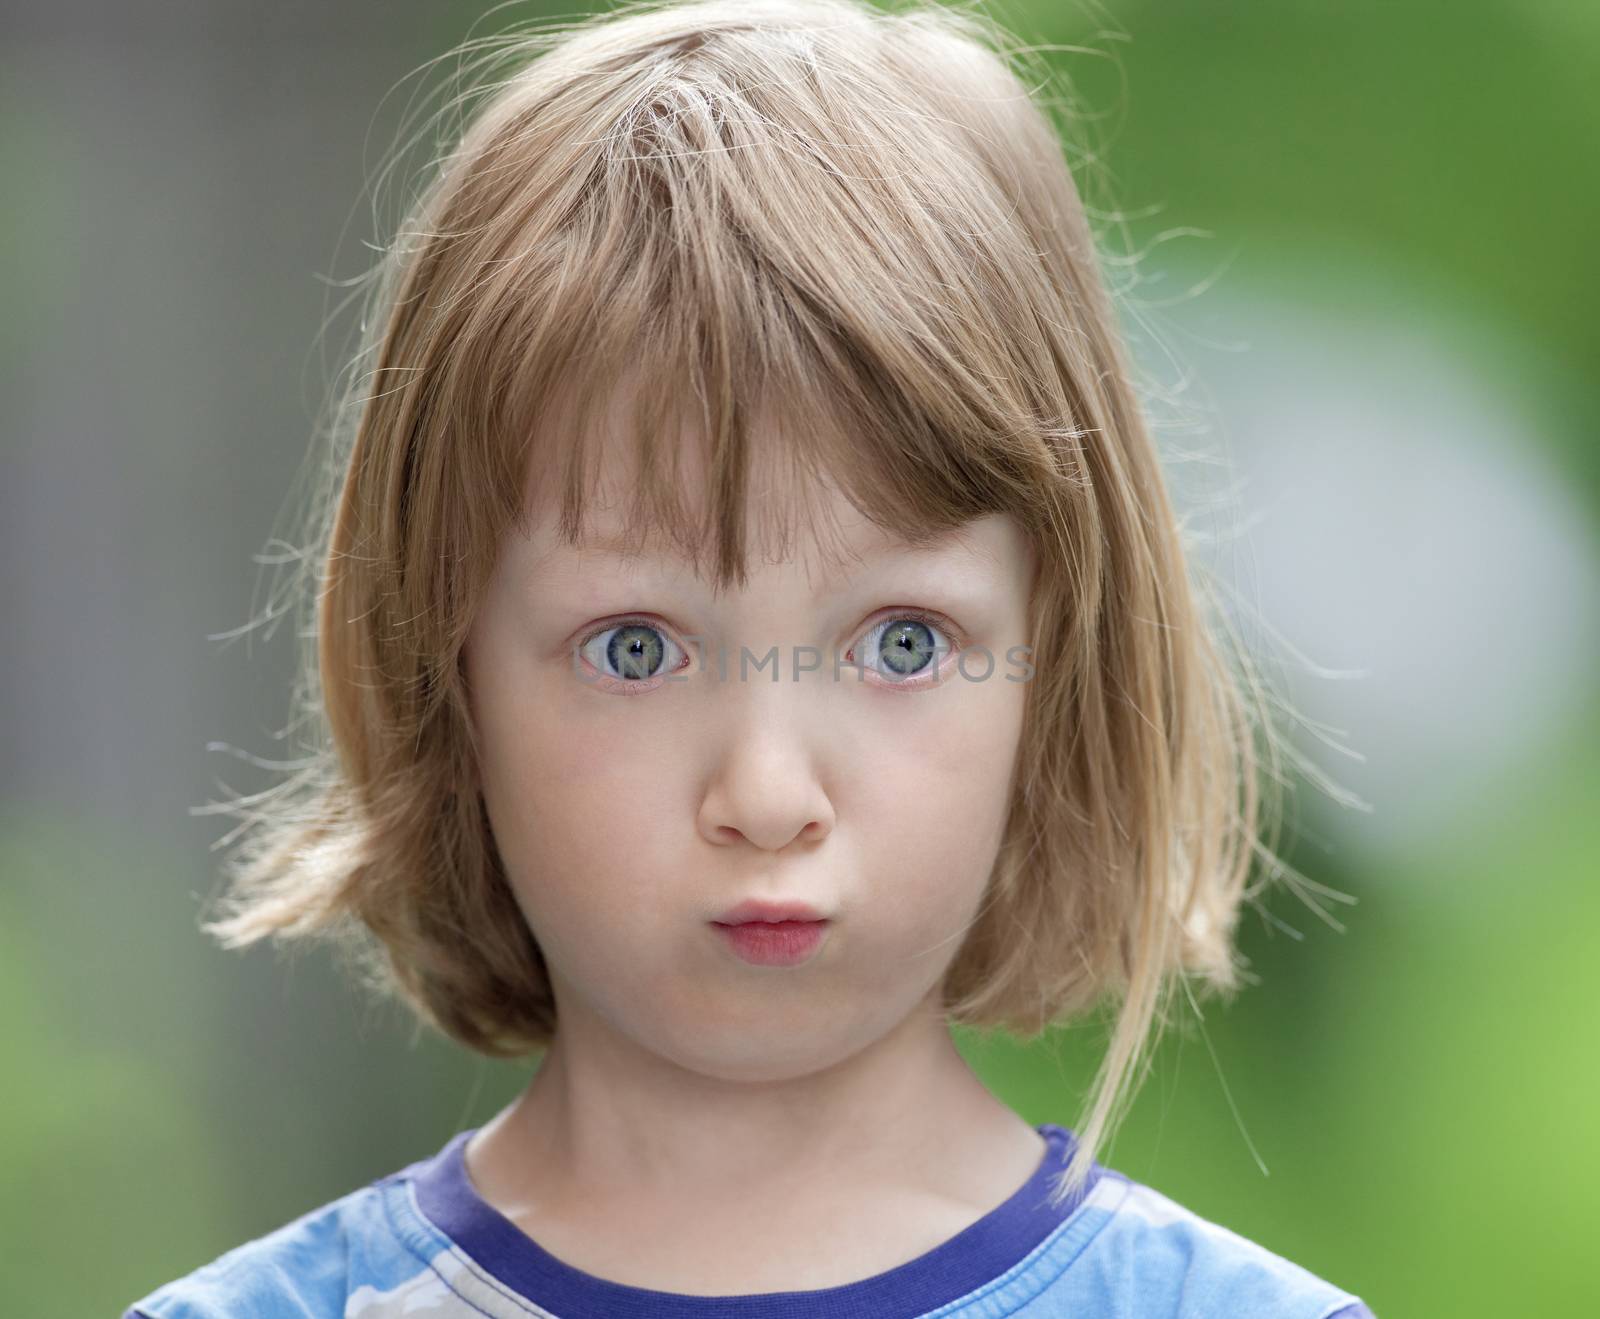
<point x="630" y="652"/>
<point x="905" y="647"/>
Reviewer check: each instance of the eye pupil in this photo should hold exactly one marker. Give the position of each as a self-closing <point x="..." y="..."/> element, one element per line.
<point x="635" y="651"/>
<point x="907" y="647"/>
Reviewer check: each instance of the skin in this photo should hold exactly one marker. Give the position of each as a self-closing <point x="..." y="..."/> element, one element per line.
<point x="701" y="1125"/>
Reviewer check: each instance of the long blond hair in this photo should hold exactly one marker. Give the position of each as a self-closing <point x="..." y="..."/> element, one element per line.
<point x="802" y="208"/>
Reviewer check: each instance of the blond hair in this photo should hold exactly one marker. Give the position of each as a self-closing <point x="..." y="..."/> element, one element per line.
<point x="802" y="208"/>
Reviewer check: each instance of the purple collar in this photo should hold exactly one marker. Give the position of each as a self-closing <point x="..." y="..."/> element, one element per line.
<point x="974" y="1256"/>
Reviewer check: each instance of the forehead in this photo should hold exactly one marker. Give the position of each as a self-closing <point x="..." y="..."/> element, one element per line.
<point x="835" y="542"/>
<point x="791" y="512"/>
<point x="860" y="542"/>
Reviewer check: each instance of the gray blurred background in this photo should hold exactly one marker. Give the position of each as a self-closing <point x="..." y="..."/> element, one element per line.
<point x="1365" y="281"/>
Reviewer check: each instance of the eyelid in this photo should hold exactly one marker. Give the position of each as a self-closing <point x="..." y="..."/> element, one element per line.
<point x="591" y="633"/>
<point x="893" y="613"/>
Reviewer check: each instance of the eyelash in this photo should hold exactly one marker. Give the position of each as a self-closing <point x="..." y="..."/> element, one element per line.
<point x="893" y="615"/>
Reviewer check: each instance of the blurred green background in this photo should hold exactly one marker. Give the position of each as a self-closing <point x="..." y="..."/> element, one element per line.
<point x="1366" y="274"/>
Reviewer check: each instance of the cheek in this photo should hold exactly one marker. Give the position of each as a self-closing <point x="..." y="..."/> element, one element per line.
<point x="932" y="800"/>
<point x="579" y="807"/>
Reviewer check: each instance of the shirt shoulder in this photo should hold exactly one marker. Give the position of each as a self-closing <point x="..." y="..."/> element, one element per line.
<point x="322" y="1265"/>
<point x="1150" y="1256"/>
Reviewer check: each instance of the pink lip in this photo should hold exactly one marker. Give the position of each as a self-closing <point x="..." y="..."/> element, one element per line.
<point x="774" y="943"/>
<point x="770" y="912"/>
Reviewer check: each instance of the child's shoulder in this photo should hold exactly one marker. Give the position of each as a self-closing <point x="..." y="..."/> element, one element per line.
<point x="313" y="1266"/>
<point x="1144" y="1253"/>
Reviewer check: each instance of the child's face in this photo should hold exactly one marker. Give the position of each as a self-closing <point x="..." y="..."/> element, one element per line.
<point x="631" y="813"/>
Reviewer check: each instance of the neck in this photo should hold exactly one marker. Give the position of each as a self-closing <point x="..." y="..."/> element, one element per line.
<point x="606" y="1122"/>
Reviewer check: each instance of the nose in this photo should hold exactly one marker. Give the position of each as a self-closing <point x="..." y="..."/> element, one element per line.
<point x="767" y="788"/>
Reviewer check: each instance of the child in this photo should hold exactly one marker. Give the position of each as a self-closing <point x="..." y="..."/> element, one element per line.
<point x="731" y="838"/>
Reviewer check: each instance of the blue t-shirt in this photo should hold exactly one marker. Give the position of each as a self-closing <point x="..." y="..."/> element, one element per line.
<point x="421" y="1243"/>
